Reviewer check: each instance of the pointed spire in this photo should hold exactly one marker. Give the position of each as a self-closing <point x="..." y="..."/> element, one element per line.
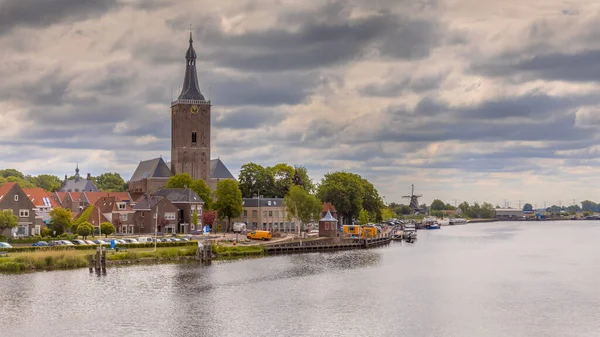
<point x="191" y="89"/>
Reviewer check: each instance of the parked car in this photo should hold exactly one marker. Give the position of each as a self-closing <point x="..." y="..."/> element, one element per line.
<point x="145" y="239"/>
<point x="56" y="243"/>
<point x="5" y="245"/>
<point x="100" y="242"/>
<point x="79" y="242"/>
<point x="67" y="243"/>
<point x="239" y="227"/>
<point x="130" y="241"/>
<point x="40" y="244"/>
<point x="89" y="242"/>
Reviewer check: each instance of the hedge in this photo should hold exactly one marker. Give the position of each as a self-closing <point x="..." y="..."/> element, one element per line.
<point x="93" y="247"/>
<point x="34" y="239"/>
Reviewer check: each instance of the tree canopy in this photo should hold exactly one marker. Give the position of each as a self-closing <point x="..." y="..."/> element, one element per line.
<point x="107" y="228"/>
<point x="274" y="181"/>
<point x="301" y="205"/>
<point x="199" y="186"/>
<point x="60" y="220"/>
<point x="8" y="220"/>
<point x="229" y="200"/>
<point x="85" y="229"/>
<point x="110" y="182"/>
<point x="527" y="207"/>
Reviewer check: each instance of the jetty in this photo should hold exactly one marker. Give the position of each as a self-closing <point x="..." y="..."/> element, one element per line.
<point x="328" y="245"/>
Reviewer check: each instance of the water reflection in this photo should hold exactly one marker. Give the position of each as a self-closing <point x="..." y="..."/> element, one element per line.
<point x="503" y="279"/>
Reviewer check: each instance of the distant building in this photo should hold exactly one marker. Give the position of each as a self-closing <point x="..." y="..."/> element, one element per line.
<point x="43" y="203"/>
<point x="508" y="213"/>
<point x="155" y="213"/>
<point x="14" y="199"/>
<point x="266" y="214"/>
<point x="77" y="184"/>
<point x="187" y="201"/>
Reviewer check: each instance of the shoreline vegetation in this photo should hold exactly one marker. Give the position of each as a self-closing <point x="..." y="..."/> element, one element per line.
<point x="31" y="259"/>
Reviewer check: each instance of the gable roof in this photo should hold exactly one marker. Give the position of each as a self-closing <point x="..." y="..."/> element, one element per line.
<point x="5" y="188"/>
<point x="93" y="216"/>
<point x="40" y="197"/>
<point x="153" y="168"/>
<point x="78" y="185"/>
<point x="92" y="197"/>
<point x="74" y="195"/>
<point x="109" y="205"/>
<point x="60" y="196"/>
<point x="179" y="195"/>
<point x="218" y="170"/>
<point x="147" y="202"/>
<point x="328" y="207"/>
<point x="264" y="202"/>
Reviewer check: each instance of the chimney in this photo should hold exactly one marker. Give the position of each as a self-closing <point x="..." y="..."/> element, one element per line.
<point x="65" y="177"/>
<point x="89" y="177"/>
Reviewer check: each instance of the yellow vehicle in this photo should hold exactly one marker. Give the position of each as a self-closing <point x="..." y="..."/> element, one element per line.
<point x="260" y="235"/>
<point x="369" y="231"/>
<point x="352" y="230"/>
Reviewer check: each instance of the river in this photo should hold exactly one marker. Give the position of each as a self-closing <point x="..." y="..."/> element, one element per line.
<point x="493" y="279"/>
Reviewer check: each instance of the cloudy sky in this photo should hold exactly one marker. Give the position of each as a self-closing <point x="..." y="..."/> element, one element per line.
<point x="469" y="100"/>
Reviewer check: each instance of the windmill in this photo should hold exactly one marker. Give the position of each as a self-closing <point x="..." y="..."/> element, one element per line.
<point x="414" y="200"/>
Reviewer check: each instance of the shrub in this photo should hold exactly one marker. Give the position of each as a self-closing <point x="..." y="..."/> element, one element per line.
<point x="46" y="232"/>
<point x="11" y="266"/>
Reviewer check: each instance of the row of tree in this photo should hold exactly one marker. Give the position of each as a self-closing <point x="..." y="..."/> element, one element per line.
<point x="110" y="182"/>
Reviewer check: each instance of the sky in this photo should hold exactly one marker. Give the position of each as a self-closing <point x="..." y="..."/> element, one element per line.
<point x="468" y="100"/>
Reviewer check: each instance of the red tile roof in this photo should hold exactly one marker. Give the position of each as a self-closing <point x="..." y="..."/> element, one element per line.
<point x="74" y="195"/>
<point x="61" y="196"/>
<point x="37" y="195"/>
<point x="6" y="187"/>
<point x="109" y="205"/>
<point x="327" y="206"/>
<point x="92" y="197"/>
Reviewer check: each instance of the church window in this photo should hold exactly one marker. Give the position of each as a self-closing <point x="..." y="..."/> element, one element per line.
<point x="193" y="138"/>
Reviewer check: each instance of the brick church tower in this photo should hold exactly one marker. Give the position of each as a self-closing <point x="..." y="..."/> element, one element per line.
<point x="190" y="125"/>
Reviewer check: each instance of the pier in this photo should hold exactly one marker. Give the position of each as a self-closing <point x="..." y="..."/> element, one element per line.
<point x="321" y="246"/>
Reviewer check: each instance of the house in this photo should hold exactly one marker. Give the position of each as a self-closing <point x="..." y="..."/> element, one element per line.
<point x="328" y="207"/>
<point x="187" y="201"/>
<point x="328" y="226"/>
<point x="118" y="213"/>
<point x="156" y="214"/>
<point x="59" y="197"/>
<point x="92" y="215"/>
<point x="13" y="198"/>
<point x="218" y="172"/>
<point x="77" y="184"/>
<point x="150" y="176"/>
<point x="87" y="198"/>
<point x="43" y="203"/>
<point x="266" y="214"/>
<point x="71" y="202"/>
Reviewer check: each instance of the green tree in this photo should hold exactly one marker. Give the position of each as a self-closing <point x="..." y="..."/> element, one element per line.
<point x="464" y="208"/>
<point x="437" y="205"/>
<point x="229" y="200"/>
<point x="345" y="192"/>
<point x="8" y="220"/>
<point x="387" y="214"/>
<point x="255" y="179"/>
<point x="47" y="181"/>
<point x="85" y="229"/>
<point x="180" y="181"/>
<point x="372" y="202"/>
<point x="301" y="205"/>
<point x="405" y="210"/>
<point x="12" y="173"/>
<point x="83" y="217"/>
<point x="60" y="220"/>
<point x="203" y="190"/>
<point x="2" y="180"/>
<point x="301" y="178"/>
<point x="110" y="182"/>
<point x="45" y="232"/>
<point x="527" y="207"/>
<point x="195" y="218"/>
<point x="283" y="176"/>
<point x="23" y="183"/>
<point x="107" y="229"/>
<point x="363" y="217"/>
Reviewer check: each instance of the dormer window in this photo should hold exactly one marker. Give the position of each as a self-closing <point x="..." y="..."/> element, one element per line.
<point x="16" y="197"/>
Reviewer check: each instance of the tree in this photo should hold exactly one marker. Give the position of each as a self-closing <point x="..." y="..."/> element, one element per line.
<point x="301" y="205"/>
<point x="83" y="217"/>
<point x="23" y="183"/>
<point x="363" y="217"/>
<point x="47" y="181"/>
<point x="209" y="217"/>
<point x="283" y="176"/>
<point x="527" y="207"/>
<point x="372" y="202"/>
<point x="464" y="208"/>
<point x="180" y="181"/>
<point x="85" y="229"/>
<point x="8" y="220"/>
<point x="405" y="210"/>
<point x="60" y="220"/>
<point x="255" y="179"/>
<point x="345" y="192"/>
<point x="229" y="200"/>
<point x="195" y="218"/>
<point x="387" y="214"/>
<point x="107" y="228"/>
<point x="301" y="178"/>
<point x="438" y="205"/>
<point x="203" y="190"/>
<point x="12" y="173"/>
<point x="110" y="182"/>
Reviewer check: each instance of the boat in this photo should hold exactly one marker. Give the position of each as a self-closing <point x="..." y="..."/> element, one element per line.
<point x="443" y="222"/>
<point x="409" y="232"/>
<point x="458" y="221"/>
<point x="431" y="223"/>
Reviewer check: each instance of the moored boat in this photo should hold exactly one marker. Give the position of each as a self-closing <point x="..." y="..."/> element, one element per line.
<point x="458" y="221"/>
<point x="431" y="223"/>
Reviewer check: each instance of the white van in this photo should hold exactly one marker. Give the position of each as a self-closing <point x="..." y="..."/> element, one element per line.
<point x="145" y="240"/>
<point x="239" y="227"/>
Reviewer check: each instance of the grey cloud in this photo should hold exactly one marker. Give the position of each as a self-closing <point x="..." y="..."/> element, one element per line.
<point x="395" y="87"/>
<point x="40" y="13"/>
<point x="248" y="118"/>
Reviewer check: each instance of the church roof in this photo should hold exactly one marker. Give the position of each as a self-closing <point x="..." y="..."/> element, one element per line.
<point x="191" y="89"/>
<point x="147" y="202"/>
<point x="153" y="168"/>
<point x="218" y="170"/>
<point x="78" y="184"/>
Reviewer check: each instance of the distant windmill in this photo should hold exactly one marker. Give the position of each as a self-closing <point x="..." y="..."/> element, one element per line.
<point x="414" y="200"/>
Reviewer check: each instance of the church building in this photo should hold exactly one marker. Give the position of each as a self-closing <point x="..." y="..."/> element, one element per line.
<point x="190" y="140"/>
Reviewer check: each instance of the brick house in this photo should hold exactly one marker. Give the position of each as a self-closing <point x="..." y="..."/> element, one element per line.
<point x="87" y="198"/>
<point x="187" y="201"/>
<point x="155" y="213"/>
<point x="118" y="213"/>
<point x="266" y="214"/>
<point x="13" y="198"/>
<point x="43" y="203"/>
<point x="59" y="197"/>
<point x="71" y="202"/>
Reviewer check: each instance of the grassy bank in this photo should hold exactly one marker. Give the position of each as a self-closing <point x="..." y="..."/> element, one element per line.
<point x="228" y="252"/>
<point x="71" y="259"/>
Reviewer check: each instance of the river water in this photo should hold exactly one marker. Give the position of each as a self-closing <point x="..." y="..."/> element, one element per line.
<point x="497" y="279"/>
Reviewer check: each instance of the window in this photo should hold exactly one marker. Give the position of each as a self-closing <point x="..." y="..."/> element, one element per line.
<point x="169" y="216"/>
<point x="193" y="138"/>
<point x="16" y="197"/>
<point x="276" y="225"/>
<point x="327" y="226"/>
<point x="123" y="217"/>
<point x="23" y="213"/>
<point x="264" y="213"/>
<point x="270" y="213"/>
<point x="254" y="214"/>
<point x="122" y="206"/>
<point x="277" y="214"/>
<point x="264" y="225"/>
<point x="245" y="213"/>
<point x="269" y="202"/>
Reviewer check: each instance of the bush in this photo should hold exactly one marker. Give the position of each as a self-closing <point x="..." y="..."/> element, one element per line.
<point x="93" y="247"/>
<point x="46" y="231"/>
<point x="11" y="267"/>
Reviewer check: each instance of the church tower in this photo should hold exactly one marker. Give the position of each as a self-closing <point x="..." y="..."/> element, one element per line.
<point x="190" y="125"/>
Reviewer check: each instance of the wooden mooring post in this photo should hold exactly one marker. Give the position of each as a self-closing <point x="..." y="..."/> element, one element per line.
<point x="98" y="262"/>
<point x="204" y="251"/>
